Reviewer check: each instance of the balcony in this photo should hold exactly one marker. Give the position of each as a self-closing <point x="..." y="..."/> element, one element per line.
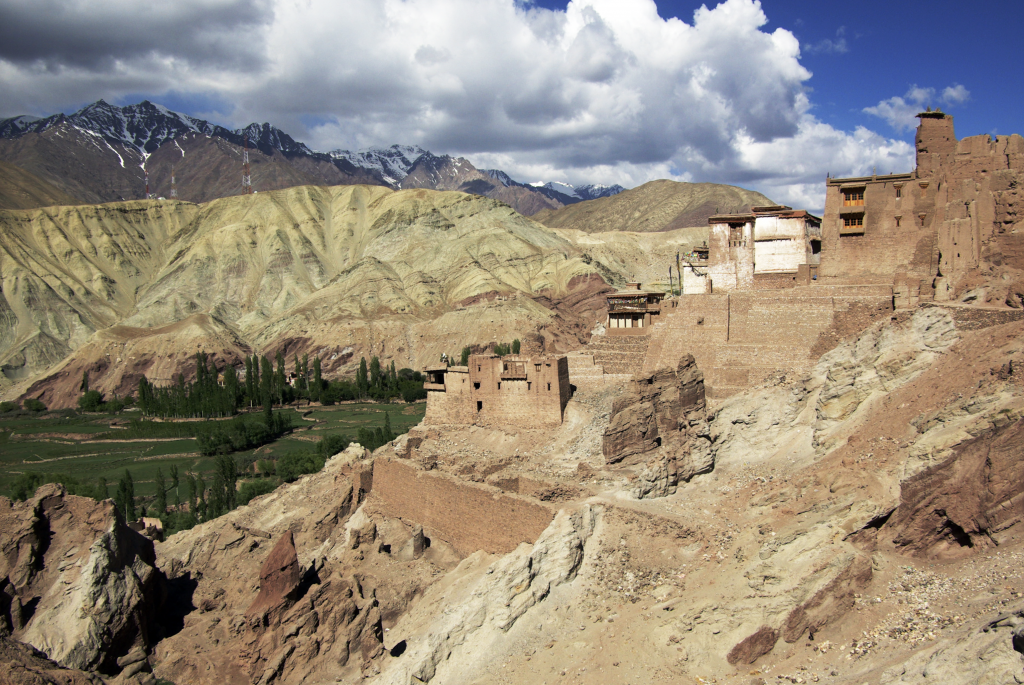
<point x="617" y="305"/>
<point x="434" y="386"/>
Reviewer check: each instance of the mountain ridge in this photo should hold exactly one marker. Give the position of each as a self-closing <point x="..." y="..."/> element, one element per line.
<point x="132" y="137"/>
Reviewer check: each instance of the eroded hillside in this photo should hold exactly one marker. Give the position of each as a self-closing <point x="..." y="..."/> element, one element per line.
<point x="129" y="288"/>
<point x="859" y="524"/>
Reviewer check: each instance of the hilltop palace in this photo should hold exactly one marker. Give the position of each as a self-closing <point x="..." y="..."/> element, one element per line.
<point x="777" y="287"/>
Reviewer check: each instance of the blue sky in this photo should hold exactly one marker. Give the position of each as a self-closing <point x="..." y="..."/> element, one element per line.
<point x="769" y="95"/>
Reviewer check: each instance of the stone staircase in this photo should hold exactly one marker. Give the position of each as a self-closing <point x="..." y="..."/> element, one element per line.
<point x="619" y="354"/>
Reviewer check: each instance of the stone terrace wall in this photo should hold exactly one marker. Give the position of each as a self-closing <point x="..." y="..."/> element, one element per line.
<point x="742" y="338"/>
<point x="469" y="516"/>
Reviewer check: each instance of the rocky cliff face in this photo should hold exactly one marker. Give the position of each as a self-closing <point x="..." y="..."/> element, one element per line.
<point x="847" y="532"/>
<point x="79" y="585"/>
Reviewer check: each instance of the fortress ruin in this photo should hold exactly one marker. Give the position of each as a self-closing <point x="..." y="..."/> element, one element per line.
<point x="514" y="390"/>
<point x="779" y="287"/>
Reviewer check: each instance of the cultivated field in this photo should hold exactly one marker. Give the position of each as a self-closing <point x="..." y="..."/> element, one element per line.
<point x="87" y="447"/>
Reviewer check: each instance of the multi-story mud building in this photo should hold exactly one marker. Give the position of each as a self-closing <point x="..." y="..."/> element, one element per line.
<point x="510" y="391"/>
<point x="924" y="231"/>
<point x="765" y="248"/>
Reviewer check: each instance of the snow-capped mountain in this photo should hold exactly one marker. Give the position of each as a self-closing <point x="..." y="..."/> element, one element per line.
<point x="579" y="193"/>
<point x="103" y="152"/>
<point x="502" y="178"/>
<point x="146" y="126"/>
<point x="392" y="163"/>
<point x="592" y="192"/>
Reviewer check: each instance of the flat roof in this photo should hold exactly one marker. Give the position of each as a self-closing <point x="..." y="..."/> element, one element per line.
<point x="862" y="180"/>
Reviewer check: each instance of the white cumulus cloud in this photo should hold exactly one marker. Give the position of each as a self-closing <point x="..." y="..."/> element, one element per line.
<point x="605" y="91"/>
<point x="901" y="112"/>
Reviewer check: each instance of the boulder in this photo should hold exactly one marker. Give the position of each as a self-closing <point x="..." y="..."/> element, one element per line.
<point x="754" y="646"/>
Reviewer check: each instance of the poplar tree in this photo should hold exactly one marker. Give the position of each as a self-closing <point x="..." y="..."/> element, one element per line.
<point x="267" y="392"/>
<point x="361" y="378"/>
<point x="161" y="492"/>
<point x="249" y="391"/>
<point x="125" y="497"/>
<point x="318" y="381"/>
<point x="375" y="379"/>
<point x="174" y="484"/>
<point x="280" y="378"/>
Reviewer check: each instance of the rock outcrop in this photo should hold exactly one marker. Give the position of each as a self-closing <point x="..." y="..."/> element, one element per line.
<point x="279" y="578"/>
<point x="967" y="502"/>
<point x="479" y="612"/>
<point x="652" y="411"/>
<point x="24" y="665"/>
<point x="83" y="588"/>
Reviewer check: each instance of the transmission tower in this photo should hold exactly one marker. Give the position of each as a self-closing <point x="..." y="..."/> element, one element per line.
<point x="174" y="187"/>
<point x="147" y="183"/>
<point x="246" y="178"/>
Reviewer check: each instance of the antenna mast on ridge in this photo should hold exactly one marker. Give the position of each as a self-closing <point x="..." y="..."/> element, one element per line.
<point x="174" y="187"/>
<point x="246" y="178"/>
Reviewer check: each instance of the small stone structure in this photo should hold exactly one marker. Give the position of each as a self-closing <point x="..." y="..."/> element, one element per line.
<point x="514" y="390"/>
<point x="632" y="311"/>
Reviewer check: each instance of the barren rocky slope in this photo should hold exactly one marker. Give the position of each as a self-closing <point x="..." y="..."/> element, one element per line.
<point x="131" y="288"/>
<point x="655" y="206"/>
<point x="21" y="190"/>
<point x="862" y="524"/>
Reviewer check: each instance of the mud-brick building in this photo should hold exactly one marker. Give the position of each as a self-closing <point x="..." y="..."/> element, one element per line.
<point x="767" y="248"/>
<point x="924" y="231"/>
<point x="632" y="310"/>
<point x="510" y="391"/>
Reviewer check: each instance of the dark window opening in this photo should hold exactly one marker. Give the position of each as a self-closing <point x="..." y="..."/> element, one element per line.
<point x="549" y="386"/>
<point x="476" y="386"/>
<point x="528" y="385"/>
<point x="897" y="222"/>
<point x="899" y="191"/>
<point x="479" y="405"/>
<point x="815" y="247"/>
<point x="499" y="385"/>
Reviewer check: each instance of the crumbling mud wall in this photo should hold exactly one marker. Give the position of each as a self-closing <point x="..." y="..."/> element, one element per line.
<point x="469" y="516"/>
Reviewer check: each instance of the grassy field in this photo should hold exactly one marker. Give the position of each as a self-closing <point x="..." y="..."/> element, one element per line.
<point x="49" y="444"/>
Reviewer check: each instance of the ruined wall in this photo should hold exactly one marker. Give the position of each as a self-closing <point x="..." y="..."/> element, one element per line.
<point x="453" y="404"/>
<point x="740" y="339"/>
<point x="469" y="516"/>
